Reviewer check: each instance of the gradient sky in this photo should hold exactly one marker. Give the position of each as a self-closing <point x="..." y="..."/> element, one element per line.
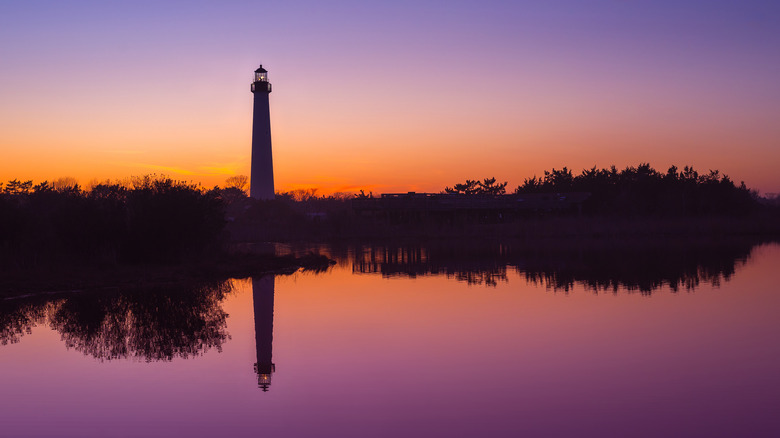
<point x="389" y="96"/>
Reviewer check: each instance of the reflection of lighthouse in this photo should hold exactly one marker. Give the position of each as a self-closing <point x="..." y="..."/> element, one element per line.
<point x="263" y="297"/>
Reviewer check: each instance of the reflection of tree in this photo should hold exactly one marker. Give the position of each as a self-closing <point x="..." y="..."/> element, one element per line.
<point x="636" y="266"/>
<point x="18" y="317"/>
<point x="151" y="325"/>
<point x="632" y="268"/>
<point x="488" y="276"/>
<point x="414" y="260"/>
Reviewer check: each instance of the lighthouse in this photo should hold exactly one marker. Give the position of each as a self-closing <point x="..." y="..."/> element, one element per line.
<point x="261" y="185"/>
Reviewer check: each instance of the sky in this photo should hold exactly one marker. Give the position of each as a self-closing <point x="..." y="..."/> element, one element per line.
<point x="389" y="96"/>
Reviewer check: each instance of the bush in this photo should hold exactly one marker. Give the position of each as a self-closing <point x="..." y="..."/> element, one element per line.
<point x="157" y="220"/>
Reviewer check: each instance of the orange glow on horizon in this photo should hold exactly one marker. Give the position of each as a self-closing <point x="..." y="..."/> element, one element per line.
<point x="402" y="147"/>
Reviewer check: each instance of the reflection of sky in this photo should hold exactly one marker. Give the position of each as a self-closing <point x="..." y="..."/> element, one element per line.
<point x="360" y="355"/>
<point x="468" y="89"/>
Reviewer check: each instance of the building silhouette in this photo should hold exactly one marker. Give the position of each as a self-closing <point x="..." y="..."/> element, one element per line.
<point x="261" y="185"/>
<point x="263" y="300"/>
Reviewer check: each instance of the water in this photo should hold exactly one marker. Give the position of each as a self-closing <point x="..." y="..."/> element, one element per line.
<point x="414" y="341"/>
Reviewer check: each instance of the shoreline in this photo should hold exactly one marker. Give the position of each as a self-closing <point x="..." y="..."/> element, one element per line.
<point x="763" y="226"/>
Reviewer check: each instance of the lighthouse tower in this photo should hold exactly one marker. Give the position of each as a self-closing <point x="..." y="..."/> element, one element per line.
<point x="262" y="180"/>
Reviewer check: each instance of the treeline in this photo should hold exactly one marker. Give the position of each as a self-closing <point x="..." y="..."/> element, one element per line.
<point x="639" y="190"/>
<point x="150" y="220"/>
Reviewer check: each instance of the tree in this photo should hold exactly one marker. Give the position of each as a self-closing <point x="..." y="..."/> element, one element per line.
<point x="42" y="187"/>
<point x="559" y="180"/>
<point x="16" y="187"/>
<point x="470" y="187"/>
<point x="487" y="186"/>
<point x="237" y="182"/>
<point x="65" y="184"/>
<point x="530" y="185"/>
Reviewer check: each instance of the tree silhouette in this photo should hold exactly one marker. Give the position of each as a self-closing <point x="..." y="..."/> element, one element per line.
<point x="642" y="190"/>
<point x="488" y="186"/>
<point x="239" y="182"/>
<point x="16" y="187"/>
<point x="64" y="184"/>
<point x="155" y="220"/>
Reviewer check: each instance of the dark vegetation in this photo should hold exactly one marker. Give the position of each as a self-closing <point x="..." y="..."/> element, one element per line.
<point x="642" y="190"/>
<point x="639" y="190"/>
<point x="633" y="201"/>
<point x="150" y="229"/>
<point x="486" y="187"/>
<point x="292" y="216"/>
<point x="155" y="220"/>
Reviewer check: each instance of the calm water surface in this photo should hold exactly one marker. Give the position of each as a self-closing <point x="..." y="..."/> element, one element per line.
<point x="412" y="342"/>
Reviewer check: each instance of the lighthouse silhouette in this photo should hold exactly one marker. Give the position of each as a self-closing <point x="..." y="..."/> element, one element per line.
<point x="261" y="185"/>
